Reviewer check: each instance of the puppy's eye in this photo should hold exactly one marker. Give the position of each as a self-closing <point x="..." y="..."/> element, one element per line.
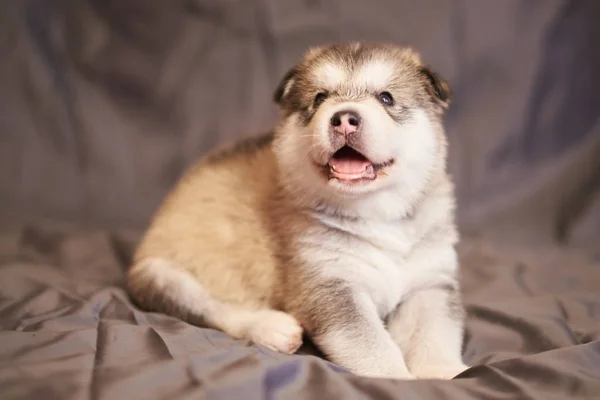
<point x="386" y="98"/>
<point x="319" y="98"/>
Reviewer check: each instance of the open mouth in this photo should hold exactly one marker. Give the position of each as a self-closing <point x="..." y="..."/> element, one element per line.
<point x="349" y="165"/>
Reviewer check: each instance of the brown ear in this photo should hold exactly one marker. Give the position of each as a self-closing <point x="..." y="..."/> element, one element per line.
<point x="437" y="87"/>
<point x="284" y="86"/>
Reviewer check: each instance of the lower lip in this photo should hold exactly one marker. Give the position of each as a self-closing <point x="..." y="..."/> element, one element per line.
<point x="351" y="183"/>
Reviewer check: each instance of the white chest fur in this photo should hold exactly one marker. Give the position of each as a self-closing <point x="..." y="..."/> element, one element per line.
<point x="386" y="260"/>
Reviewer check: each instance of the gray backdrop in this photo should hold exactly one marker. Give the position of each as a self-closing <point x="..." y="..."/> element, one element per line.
<point x="104" y="103"/>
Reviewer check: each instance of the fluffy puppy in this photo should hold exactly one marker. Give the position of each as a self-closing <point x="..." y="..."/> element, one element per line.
<point x="339" y="223"/>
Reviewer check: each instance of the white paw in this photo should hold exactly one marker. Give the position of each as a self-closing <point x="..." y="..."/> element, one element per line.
<point x="439" y="371"/>
<point x="277" y="330"/>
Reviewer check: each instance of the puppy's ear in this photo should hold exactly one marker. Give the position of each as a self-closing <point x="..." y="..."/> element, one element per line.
<point x="437" y="87"/>
<point x="283" y="89"/>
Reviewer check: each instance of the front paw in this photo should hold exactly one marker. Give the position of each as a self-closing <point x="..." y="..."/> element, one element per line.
<point x="277" y="330"/>
<point x="439" y="371"/>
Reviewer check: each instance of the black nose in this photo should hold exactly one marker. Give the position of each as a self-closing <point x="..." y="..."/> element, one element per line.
<point x="350" y="117"/>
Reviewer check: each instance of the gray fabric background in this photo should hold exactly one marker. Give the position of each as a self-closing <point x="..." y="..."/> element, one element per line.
<point x="104" y="103"/>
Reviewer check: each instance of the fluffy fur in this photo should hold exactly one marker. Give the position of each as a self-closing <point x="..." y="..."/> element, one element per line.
<point x="263" y="240"/>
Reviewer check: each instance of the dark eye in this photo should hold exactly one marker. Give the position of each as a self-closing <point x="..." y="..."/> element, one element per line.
<point x="319" y="98"/>
<point x="386" y="98"/>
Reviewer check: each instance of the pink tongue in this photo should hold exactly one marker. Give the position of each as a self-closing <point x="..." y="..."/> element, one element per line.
<point x="349" y="166"/>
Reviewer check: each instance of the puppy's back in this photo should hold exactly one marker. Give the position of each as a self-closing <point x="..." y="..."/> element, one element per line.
<point x="212" y="227"/>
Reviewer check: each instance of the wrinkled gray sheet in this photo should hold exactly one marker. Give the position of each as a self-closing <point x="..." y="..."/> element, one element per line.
<point x="103" y="104"/>
<point x="68" y="331"/>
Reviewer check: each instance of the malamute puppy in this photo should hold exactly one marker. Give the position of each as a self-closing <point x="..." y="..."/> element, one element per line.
<point x="339" y="223"/>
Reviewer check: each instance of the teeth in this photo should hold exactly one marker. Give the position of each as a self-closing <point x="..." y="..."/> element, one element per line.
<point x="333" y="167"/>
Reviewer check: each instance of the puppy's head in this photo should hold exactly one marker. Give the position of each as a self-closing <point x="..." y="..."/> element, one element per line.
<point x="360" y="118"/>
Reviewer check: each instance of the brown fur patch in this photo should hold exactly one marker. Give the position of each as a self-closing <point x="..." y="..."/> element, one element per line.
<point x="209" y="224"/>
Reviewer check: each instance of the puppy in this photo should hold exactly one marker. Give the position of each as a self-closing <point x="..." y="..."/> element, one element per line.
<point x="339" y="223"/>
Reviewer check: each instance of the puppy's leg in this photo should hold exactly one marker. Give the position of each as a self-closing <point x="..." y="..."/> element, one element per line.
<point x="160" y="286"/>
<point x="348" y="330"/>
<point x="276" y="330"/>
<point x="428" y="327"/>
